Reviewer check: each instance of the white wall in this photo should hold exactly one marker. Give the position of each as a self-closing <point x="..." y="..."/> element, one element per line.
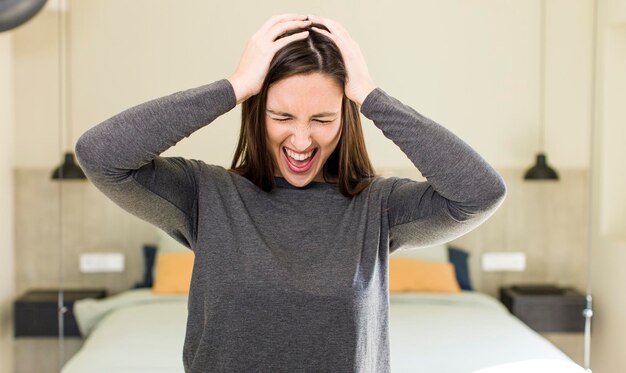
<point x="471" y="66"/>
<point x="7" y="274"/>
<point x="613" y="111"/>
<point x="609" y="199"/>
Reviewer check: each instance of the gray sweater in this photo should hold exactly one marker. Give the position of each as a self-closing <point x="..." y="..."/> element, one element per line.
<point x="294" y="280"/>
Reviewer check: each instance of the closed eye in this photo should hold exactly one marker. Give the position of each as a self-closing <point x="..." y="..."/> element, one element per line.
<point x="286" y="119"/>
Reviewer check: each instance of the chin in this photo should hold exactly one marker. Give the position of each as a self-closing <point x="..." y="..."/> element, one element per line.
<point x="299" y="181"/>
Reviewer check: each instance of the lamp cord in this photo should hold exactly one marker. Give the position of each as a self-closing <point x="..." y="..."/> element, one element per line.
<point x="542" y="67"/>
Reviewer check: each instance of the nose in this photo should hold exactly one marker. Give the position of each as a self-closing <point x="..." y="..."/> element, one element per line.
<point x="301" y="137"/>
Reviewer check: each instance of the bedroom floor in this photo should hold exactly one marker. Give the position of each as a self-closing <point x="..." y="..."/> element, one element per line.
<point x="41" y="354"/>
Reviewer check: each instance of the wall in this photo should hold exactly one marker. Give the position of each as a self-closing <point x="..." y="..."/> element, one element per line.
<point x="609" y="200"/>
<point x="7" y="273"/>
<point x="472" y="66"/>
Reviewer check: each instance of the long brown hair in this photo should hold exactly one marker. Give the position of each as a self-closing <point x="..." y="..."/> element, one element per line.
<point x="349" y="163"/>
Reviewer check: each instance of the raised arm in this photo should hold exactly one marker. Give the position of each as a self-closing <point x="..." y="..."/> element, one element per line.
<point x="120" y="156"/>
<point x="462" y="190"/>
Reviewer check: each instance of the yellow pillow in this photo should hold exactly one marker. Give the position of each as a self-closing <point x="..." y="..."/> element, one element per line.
<point x="407" y="274"/>
<point x="173" y="272"/>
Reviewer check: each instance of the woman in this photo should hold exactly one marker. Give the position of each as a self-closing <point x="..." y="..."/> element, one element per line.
<point x="292" y="243"/>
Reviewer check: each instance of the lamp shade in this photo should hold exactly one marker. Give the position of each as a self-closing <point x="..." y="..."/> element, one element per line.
<point x="68" y="170"/>
<point x="16" y="12"/>
<point x="541" y="170"/>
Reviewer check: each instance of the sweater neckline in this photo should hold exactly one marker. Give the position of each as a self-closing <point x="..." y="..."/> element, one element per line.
<point x="283" y="183"/>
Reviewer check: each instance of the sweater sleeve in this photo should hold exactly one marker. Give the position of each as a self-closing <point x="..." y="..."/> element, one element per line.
<point x="121" y="157"/>
<point x="461" y="189"/>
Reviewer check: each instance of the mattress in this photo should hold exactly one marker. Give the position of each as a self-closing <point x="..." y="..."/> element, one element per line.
<point x="466" y="332"/>
<point x="137" y="331"/>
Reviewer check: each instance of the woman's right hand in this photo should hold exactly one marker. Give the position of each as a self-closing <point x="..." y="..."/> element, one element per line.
<point x="248" y="78"/>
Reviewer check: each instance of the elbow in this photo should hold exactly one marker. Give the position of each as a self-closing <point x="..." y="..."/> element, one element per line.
<point x="483" y="206"/>
<point x="502" y="191"/>
<point x="499" y="191"/>
<point x="81" y="149"/>
<point x="85" y="157"/>
<point x="495" y="197"/>
<point x="79" y="145"/>
<point x="90" y="155"/>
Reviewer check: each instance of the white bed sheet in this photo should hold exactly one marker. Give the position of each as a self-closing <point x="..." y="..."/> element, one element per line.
<point x="137" y="338"/>
<point x="139" y="332"/>
<point x="466" y="332"/>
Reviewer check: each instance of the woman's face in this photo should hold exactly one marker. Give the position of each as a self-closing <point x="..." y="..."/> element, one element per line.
<point x="303" y="121"/>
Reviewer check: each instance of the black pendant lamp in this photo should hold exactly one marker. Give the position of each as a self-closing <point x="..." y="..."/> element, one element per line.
<point x="541" y="170"/>
<point x="69" y="169"/>
<point x="13" y="13"/>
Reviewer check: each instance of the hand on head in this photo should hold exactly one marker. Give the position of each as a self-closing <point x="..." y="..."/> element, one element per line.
<point x="359" y="82"/>
<point x="248" y="78"/>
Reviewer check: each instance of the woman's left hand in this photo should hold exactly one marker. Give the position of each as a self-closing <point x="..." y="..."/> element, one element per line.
<point x="359" y="83"/>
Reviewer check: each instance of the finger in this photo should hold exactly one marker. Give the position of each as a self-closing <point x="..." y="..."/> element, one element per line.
<point x="288" y="39"/>
<point x="331" y="25"/>
<point x="281" y="18"/>
<point x="319" y="19"/>
<point x="324" y="32"/>
<point x="280" y="28"/>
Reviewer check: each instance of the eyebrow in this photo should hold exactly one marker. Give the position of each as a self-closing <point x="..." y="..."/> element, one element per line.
<point x="313" y="116"/>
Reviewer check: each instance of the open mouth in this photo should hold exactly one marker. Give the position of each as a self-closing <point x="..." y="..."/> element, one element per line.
<point x="300" y="166"/>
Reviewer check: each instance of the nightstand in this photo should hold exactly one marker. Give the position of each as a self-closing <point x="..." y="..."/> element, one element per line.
<point x="554" y="312"/>
<point x="546" y="308"/>
<point x="36" y="311"/>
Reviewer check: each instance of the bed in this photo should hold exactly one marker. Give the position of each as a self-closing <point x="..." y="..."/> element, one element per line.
<point x="436" y="331"/>
<point x="138" y="331"/>
<point x="466" y="332"/>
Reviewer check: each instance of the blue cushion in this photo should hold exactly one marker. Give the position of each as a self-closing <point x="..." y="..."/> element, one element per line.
<point x="149" y="255"/>
<point x="458" y="257"/>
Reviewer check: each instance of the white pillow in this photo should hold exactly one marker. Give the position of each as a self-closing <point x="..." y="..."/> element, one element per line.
<point x="437" y="253"/>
